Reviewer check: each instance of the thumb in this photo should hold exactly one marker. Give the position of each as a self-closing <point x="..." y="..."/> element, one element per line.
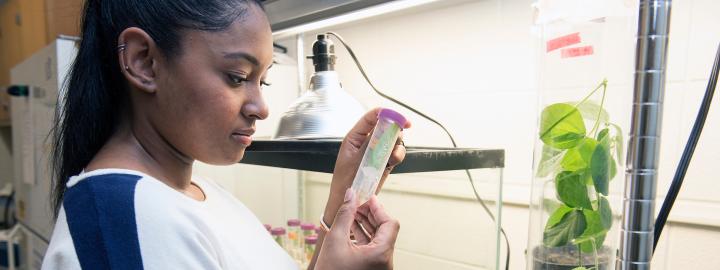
<point x="345" y="215"/>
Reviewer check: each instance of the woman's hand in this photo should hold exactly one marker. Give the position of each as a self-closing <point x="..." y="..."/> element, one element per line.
<point x="350" y="156"/>
<point x="346" y="165"/>
<point x="368" y="252"/>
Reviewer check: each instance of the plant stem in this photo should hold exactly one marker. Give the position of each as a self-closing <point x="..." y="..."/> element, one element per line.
<point x="597" y="260"/>
<point x="579" y="251"/>
<point x="602" y="102"/>
<point x="604" y="82"/>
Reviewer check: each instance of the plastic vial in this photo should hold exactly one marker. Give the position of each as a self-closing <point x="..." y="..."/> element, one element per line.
<point x="279" y="235"/>
<point x="374" y="161"/>
<point x="310" y="242"/>
<point x="295" y="245"/>
<point x="308" y="229"/>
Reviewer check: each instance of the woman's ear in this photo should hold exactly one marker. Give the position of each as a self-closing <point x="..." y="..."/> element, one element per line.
<point x="137" y="55"/>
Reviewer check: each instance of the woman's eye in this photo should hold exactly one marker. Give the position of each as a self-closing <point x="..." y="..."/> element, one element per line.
<point x="236" y="80"/>
<point x="264" y="83"/>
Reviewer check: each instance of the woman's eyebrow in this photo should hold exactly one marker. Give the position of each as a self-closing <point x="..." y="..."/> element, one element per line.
<point x="242" y="55"/>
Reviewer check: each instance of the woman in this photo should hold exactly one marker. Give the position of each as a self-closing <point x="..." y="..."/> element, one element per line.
<point x="157" y="85"/>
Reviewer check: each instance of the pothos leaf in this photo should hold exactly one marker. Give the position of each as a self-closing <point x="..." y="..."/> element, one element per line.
<point x="571" y="225"/>
<point x="603" y="137"/>
<point x="551" y="205"/>
<point x="571" y="190"/>
<point x="608" y="142"/>
<point x="600" y="169"/>
<point x="586" y="176"/>
<point x="605" y="212"/>
<point x="557" y="216"/>
<point x="592" y="111"/>
<point x="561" y="126"/>
<point x="594" y="232"/>
<point x="578" y="157"/>
<point x="549" y="161"/>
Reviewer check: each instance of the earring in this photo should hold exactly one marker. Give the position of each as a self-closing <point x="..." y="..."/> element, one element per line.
<point x="122" y="48"/>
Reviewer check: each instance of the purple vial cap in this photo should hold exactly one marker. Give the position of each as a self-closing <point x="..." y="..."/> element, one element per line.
<point x="293" y="222"/>
<point x="311" y="239"/>
<point x="277" y="231"/>
<point x="393" y="116"/>
<point x="307" y="226"/>
<point x="317" y="230"/>
<point x="267" y="227"/>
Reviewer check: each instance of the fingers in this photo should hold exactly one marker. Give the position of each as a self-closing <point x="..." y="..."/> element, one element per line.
<point x="398" y="153"/>
<point x="366" y="224"/>
<point x="363" y="128"/>
<point x="407" y="124"/>
<point x="345" y="217"/>
<point x="387" y="231"/>
<point x="377" y="211"/>
<point x="364" y="211"/>
<point x="396" y="157"/>
<point x="360" y="237"/>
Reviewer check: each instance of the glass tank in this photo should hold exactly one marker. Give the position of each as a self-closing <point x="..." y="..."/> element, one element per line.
<point x="584" y="74"/>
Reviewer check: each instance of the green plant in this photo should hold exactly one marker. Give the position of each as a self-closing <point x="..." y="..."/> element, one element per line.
<point x="581" y="164"/>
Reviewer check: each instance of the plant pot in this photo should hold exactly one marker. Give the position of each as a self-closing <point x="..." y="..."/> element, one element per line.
<point x="568" y="258"/>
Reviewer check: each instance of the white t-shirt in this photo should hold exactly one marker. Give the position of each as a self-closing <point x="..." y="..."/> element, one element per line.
<point x="124" y="219"/>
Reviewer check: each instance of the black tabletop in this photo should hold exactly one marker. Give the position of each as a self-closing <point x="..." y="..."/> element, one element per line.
<point x="320" y="156"/>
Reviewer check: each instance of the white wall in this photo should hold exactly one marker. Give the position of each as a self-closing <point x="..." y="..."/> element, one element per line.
<point x="471" y="65"/>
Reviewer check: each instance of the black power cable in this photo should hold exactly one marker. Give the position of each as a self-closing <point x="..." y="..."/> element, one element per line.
<point x="452" y="139"/>
<point x="7" y="211"/>
<point x="688" y="152"/>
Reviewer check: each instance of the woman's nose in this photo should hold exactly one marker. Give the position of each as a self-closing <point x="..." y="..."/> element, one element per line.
<point x="255" y="107"/>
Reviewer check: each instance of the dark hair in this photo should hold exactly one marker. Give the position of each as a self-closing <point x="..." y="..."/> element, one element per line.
<point x="97" y="92"/>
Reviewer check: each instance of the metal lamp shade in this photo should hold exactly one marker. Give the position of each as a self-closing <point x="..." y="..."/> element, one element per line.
<point x="325" y="111"/>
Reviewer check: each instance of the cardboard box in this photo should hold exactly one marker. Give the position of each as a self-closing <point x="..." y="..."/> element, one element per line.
<point x="23" y="32"/>
<point x="63" y="18"/>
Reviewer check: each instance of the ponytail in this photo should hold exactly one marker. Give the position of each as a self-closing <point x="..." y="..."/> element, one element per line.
<point x="94" y="96"/>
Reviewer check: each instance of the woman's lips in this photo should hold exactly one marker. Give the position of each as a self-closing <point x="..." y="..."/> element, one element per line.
<point x="242" y="138"/>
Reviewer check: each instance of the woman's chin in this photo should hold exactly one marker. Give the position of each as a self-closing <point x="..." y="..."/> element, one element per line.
<point x="226" y="159"/>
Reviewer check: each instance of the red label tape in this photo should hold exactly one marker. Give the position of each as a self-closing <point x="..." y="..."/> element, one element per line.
<point x="563" y="41"/>
<point x="576" y="52"/>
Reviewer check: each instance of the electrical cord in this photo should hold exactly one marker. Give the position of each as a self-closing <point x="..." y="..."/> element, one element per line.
<point x="7" y="210"/>
<point x="689" y="151"/>
<point x="452" y="139"/>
